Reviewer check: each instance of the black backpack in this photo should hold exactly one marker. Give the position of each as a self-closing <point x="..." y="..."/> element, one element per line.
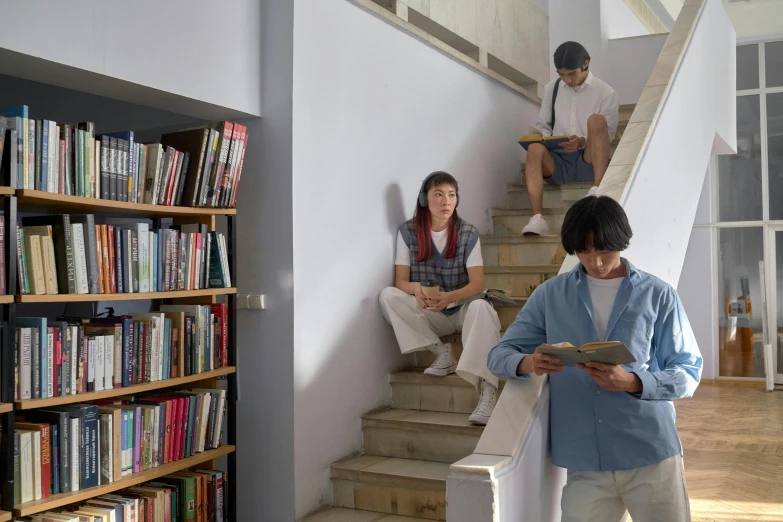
<point x="554" y="98"/>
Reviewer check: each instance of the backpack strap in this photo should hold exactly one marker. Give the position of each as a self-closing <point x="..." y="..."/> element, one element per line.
<point x="554" y="99"/>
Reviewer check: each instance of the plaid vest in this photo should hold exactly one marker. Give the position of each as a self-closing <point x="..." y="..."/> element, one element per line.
<point x="450" y="274"/>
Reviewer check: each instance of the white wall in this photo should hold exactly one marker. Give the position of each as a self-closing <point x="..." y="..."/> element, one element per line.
<point x="194" y="48"/>
<point x="678" y="155"/>
<point x="375" y="111"/>
<point x="620" y="21"/>
<point x="758" y="18"/>
<point x="696" y="286"/>
<point x="632" y="60"/>
<point x="584" y="22"/>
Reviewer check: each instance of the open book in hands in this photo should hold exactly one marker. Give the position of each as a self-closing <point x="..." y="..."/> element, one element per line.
<point x="492" y="295"/>
<point x="609" y="352"/>
<point x="534" y="135"/>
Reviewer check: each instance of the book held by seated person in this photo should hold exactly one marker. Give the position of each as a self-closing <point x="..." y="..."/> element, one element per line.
<point x="495" y="297"/>
<point x="608" y="352"/>
<point x="535" y="135"/>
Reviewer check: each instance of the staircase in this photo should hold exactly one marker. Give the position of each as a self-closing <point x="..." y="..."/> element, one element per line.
<point x="408" y="448"/>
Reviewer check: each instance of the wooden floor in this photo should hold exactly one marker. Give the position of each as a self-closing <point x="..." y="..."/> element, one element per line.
<point x="732" y="436"/>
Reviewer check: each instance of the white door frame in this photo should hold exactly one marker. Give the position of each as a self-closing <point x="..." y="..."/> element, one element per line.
<point x="770" y="272"/>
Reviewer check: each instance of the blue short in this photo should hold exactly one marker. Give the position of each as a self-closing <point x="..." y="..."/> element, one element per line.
<point x="570" y="167"/>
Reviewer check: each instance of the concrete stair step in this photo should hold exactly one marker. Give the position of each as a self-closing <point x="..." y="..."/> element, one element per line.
<point x="516" y="250"/>
<point x="511" y="221"/>
<point x="518" y="280"/>
<point x="419" y="435"/>
<point x="413" y="488"/>
<point x="338" y="514"/>
<point x="413" y="390"/>
<point x="555" y="196"/>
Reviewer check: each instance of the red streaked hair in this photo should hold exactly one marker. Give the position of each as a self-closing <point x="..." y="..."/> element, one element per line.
<point x="423" y="221"/>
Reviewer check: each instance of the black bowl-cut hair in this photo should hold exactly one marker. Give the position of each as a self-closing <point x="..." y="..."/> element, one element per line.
<point x="595" y="222"/>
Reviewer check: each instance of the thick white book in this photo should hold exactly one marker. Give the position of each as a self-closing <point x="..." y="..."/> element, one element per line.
<point x="80" y="259"/>
<point x="75" y="448"/>
<point x="97" y="349"/>
<point x="26" y="464"/>
<point x="107" y="342"/>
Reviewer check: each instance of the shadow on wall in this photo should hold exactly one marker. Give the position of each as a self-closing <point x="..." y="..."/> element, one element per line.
<point x="344" y="348"/>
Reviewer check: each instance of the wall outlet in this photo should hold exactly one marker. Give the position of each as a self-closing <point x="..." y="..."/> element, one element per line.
<point x="251" y="301"/>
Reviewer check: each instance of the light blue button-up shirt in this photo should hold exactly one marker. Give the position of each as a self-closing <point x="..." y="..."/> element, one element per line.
<point x="592" y="429"/>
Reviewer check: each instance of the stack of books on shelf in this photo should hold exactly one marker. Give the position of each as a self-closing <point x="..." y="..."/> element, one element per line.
<point x="71" y="254"/>
<point x="195" y="496"/>
<point x="76" y="447"/>
<point x="197" y="168"/>
<point x="55" y="359"/>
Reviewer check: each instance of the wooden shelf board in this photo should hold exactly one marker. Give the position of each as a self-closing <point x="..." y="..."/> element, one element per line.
<point x="56" y="501"/>
<point x="7" y="191"/>
<point x="6" y="299"/>
<point x="69" y="298"/>
<point x="5" y="516"/>
<point x="35" y="200"/>
<point x="30" y="404"/>
<point x="5" y="407"/>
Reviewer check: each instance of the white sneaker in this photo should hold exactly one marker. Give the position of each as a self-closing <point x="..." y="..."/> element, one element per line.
<point x="536" y="226"/>
<point x="486" y="404"/>
<point x="444" y="361"/>
<point x="592" y="191"/>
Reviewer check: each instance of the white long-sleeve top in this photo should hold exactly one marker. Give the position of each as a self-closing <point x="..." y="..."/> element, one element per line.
<point x="575" y="104"/>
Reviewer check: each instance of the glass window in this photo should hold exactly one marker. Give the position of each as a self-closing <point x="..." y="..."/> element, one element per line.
<point x="773" y="64"/>
<point x="775" y="154"/>
<point x="740" y="331"/>
<point x="739" y="176"/>
<point x="748" y="67"/>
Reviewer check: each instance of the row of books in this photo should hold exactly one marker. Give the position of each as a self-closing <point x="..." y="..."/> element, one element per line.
<point x="196" y="496"/>
<point x="198" y="167"/>
<point x="70" y="253"/>
<point x="54" y="359"/>
<point x="71" y="448"/>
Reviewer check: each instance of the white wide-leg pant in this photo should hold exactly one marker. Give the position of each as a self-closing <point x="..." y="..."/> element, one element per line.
<point x="416" y="329"/>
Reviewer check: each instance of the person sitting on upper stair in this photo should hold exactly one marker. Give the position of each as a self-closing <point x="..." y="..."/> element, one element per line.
<point x="585" y="109"/>
<point x="438" y="249"/>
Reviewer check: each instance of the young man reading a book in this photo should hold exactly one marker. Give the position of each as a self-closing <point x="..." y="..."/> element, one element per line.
<point x="611" y="426"/>
<point x="586" y="110"/>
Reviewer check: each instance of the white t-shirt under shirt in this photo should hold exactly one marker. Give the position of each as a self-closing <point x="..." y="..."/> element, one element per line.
<point x="602" y="295"/>
<point x="439" y="239"/>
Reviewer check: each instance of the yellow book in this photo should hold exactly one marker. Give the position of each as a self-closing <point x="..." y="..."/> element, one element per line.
<point x="32" y="246"/>
<point x="47" y="255"/>
<point x="608" y="352"/>
<point x="534" y="135"/>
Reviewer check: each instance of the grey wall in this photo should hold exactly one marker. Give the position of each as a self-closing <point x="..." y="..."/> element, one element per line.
<point x="265" y="488"/>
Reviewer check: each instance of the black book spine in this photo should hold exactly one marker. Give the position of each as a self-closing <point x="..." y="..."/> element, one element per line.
<point x="188" y="328"/>
<point x="113" y="161"/>
<point x="38" y="154"/>
<point x="92" y="477"/>
<point x="135" y="258"/>
<point x="181" y="181"/>
<point x="105" y="175"/>
<point x="17" y="472"/>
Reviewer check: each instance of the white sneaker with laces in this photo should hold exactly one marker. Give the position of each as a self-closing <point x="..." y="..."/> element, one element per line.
<point x="592" y="191"/>
<point x="486" y="404"/>
<point x="444" y="361"/>
<point x="536" y="226"/>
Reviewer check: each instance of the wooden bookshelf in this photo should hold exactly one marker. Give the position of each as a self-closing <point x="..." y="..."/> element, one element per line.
<point x="30" y="404"/>
<point x="6" y="191"/>
<point x="5" y="407"/>
<point x="6" y="299"/>
<point x="36" y="200"/>
<point x="63" y="499"/>
<point x="5" y="516"/>
<point x="72" y="298"/>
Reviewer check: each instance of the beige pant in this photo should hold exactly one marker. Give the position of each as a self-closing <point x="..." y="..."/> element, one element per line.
<point x="416" y="329"/>
<point x="654" y="493"/>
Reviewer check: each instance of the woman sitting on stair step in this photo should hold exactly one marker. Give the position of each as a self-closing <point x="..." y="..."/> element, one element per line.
<point x="441" y="250"/>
